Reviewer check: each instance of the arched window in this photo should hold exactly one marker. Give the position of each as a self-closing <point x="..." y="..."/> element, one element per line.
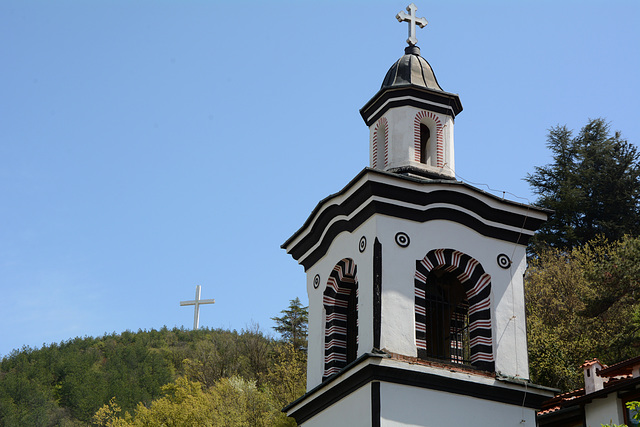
<point x="425" y="144"/>
<point x="340" y="301"/>
<point x="428" y="139"/>
<point x="447" y="314"/>
<point x="453" y="309"/>
<point x="380" y="152"/>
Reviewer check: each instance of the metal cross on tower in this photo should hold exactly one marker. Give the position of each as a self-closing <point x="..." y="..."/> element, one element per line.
<point x="413" y="21"/>
<point x="197" y="302"/>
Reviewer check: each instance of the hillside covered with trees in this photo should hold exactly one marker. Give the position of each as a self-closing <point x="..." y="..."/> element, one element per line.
<point x="141" y="378"/>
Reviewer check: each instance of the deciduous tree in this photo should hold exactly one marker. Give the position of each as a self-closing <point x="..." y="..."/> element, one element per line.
<point x="231" y="402"/>
<point x="287" y="377"/>
<point x="582" y="303"/>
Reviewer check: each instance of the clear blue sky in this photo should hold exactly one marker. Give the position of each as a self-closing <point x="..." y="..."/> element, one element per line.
<point x="150" y="146"/>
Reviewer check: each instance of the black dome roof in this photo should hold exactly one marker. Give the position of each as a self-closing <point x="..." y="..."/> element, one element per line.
<point x="411" y="70"/>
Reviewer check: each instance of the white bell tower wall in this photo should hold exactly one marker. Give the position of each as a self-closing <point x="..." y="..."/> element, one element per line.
<point x="397" y="141"/>
<point x="415" y="280"/>
<point x="376" y="233"/>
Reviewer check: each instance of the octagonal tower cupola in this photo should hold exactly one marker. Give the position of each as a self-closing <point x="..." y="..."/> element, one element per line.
<point x="411" y="118"/>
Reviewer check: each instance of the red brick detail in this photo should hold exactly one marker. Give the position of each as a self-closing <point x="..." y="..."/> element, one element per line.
<point x="341" y="284"/>
<point x="439" y="137"/>
<point x="382" y="123"/>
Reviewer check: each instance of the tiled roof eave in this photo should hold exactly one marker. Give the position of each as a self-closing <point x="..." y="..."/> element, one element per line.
<point x="569" y="401"/>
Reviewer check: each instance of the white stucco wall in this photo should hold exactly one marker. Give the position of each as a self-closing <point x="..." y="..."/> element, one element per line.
<point x="344" y="246"/>
<point x="398" y="270"/>
<point x="353" y="410"/>
<point x="449" y="151"/>
<point x="398" y="308"/>
<point x="401" y="139"/>
<point x="410" y="406"/>
<point x="507" y="298"/>
<point x="603" y="411"/>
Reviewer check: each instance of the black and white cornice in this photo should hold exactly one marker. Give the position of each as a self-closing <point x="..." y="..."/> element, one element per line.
<point x="374" y="192"/>
<point x="423" y="98"/>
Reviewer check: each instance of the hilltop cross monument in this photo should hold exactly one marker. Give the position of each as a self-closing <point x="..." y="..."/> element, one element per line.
<point x="197" y="302"/>
<point x="413" y="21"/>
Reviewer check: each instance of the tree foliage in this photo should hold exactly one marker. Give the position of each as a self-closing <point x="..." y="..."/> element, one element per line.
<point x="593" y="185"/>
<point x="233" y="402"/>
<point x="292" y="325"/>
<point x="582" y="303"/>
<point x="66" y="384"/>
<point x="287" y="376"/>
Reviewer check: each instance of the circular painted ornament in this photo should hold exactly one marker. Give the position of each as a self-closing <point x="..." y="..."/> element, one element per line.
<point x="402" y="239"/>
<point x="363" y="244"/>
<point x="504" y="261"/>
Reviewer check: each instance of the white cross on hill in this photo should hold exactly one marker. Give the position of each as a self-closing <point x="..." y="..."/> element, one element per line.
<point x="197" y="302"/>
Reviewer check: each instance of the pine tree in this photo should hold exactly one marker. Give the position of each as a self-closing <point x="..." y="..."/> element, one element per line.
<point x="292" y="325"/>
<point x="593" y="185"/>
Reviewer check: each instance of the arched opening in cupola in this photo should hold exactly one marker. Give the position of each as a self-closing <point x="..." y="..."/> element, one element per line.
<point x="428" y="139"/>
<point x="425" y="144"/>
<point x="380" y="146"/>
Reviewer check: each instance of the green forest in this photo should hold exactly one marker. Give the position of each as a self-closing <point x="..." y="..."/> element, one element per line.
<point x="582" y="295"/>
<point x="172" y="377"/>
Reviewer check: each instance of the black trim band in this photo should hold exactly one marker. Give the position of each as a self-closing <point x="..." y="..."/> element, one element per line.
<point x="377" y="292"/>
<point x="375" y="404"/>
<point x="428" y="97"/>
<point x="423" y="105"/>
<point x="373" y="373"/>
<point x="363" y="195"/>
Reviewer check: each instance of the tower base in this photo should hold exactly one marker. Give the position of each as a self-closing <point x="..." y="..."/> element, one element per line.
<point x="391" y="390"/>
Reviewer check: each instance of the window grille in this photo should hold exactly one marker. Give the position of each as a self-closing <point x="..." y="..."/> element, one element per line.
<point x="447" y="319"/>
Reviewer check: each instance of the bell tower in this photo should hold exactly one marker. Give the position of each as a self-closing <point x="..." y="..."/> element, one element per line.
<point x="411" y="117"/>
<point x="415" y="279"/>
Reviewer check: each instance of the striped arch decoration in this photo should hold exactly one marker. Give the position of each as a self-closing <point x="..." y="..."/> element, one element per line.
<point x="477" y="286"/>
<point x="381" y="128"/>
<point x="439" y="137"/>
<point x="340" y="301"/>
